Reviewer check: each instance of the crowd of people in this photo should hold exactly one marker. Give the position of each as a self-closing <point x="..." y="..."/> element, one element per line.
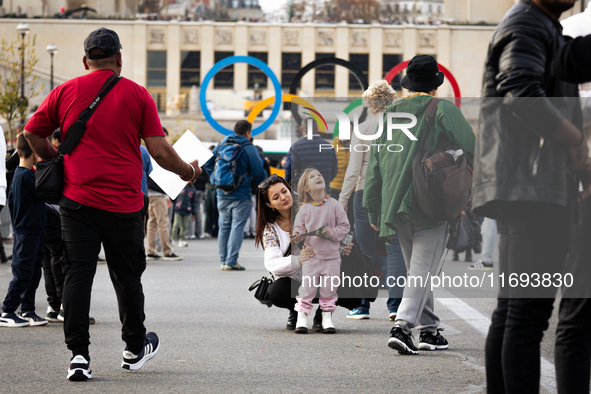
<point x="530" y="181"/>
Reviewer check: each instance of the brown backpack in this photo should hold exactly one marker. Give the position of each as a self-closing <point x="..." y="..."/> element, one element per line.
<point x="442" y="185"/>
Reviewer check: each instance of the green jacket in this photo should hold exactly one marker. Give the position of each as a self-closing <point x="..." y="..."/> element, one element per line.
<point x="388" y="193"/>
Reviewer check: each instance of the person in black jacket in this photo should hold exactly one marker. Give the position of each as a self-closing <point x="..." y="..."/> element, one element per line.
<point x="573" y="344"/>
<point x="528" y="153"/>
<point x="307" y="153"/>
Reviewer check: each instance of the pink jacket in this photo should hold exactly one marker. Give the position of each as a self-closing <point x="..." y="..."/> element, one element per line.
<point x="310" y="218"/>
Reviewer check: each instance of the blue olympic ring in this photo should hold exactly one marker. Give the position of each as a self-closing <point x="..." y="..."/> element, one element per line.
<point x="253" y="62"/>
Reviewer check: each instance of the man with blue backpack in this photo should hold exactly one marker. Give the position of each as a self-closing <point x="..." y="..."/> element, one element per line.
<point x="235" y="163"/>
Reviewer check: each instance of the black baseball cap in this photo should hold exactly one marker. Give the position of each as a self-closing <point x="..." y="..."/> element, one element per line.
<point x="422" y="74"/>
<point x="104" y="39"/>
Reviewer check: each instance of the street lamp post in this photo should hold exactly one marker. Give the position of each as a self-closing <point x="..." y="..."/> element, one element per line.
<point x="23" y="29"/>
<point x="52" y="49"/>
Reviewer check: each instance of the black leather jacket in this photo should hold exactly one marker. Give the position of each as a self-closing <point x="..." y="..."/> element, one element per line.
<point x="522" y="107"/>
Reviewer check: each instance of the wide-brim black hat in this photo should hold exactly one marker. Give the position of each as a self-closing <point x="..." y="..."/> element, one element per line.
<point x="422" y="74"/>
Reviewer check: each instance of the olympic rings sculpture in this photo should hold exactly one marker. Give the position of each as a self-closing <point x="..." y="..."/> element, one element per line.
<point x="253" y="62"/>
<point x="292" y="97"/>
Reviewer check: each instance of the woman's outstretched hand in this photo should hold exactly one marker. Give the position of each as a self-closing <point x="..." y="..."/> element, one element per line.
<point x="305" y="254"/>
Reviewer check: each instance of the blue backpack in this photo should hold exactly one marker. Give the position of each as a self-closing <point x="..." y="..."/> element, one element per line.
<point x="225" y="173"/>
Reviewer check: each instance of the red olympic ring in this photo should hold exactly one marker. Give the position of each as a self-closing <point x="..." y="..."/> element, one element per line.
<point x="454" y="84"/>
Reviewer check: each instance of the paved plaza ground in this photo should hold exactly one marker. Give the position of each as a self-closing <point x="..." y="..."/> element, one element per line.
<point x="216" y="338"/>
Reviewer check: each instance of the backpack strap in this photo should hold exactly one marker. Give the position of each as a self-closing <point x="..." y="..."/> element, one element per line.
<point x="430" y="113"/>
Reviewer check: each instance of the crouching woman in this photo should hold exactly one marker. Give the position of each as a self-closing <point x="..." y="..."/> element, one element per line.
<point x="273" y="232"/>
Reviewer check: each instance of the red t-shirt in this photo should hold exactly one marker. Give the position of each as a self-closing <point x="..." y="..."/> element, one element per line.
<point x="104" y="170"/>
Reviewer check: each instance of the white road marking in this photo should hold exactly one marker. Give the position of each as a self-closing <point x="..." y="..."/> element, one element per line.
<point x="481" y="323"/>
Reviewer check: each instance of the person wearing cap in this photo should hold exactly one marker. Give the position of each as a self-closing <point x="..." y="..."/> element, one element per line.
<point x="390" y="174"/>
<point x="102" y="200"/>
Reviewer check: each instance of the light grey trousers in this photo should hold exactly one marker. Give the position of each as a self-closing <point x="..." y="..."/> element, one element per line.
<point x="422" y="249"/>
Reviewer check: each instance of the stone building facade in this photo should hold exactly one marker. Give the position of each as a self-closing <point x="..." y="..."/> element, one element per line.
<point x="170" y="57"/>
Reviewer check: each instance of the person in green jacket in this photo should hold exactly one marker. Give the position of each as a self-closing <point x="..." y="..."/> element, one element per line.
<point x="391" y="205"/>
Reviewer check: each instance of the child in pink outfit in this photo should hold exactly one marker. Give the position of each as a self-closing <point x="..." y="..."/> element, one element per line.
<point x="316" y="210"/>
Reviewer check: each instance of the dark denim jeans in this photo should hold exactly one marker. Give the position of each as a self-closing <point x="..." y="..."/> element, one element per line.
<point x="367" y="238"/>
<point x="122" y="235"/>
<point x="533" y="239"/>
<point x="27" y="260"/>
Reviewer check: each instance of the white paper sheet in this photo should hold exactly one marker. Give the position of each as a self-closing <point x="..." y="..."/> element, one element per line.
<point x="189" y="148"/>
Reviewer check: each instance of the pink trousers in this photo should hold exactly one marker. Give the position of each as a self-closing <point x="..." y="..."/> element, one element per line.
<point x="317" y="276"/>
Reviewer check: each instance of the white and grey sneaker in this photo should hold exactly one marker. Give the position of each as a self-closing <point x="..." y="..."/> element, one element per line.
<point x="481" y="265"/>
<point x="33" y="319"/>
<point x="134" y="362"/>
<point x="79" y="369"/>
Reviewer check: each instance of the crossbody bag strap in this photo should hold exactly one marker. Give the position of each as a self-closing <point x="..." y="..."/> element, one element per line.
<point x="77" y="130"/>
<point x="430" y="118"/>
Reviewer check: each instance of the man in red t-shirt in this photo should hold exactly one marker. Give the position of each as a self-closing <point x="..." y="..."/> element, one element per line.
<point x="102" y="200"/>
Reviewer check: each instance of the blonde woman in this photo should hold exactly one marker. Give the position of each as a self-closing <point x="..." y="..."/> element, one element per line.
<point x="376" y="98"/>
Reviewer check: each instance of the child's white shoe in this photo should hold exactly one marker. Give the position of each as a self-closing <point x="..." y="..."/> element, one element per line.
<point x="327" y="326"/>
<point x="302" y="323"/>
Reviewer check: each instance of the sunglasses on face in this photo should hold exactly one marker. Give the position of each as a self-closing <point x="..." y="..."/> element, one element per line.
<point x="269" y="181"/>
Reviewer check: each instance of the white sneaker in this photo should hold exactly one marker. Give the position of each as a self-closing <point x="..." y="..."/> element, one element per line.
<point x="79" y="369"/>
<point x="302" y="323"/>
<point x="327" y="326"/>
<point x="481" y="265"/>
<point x="183" y="244"/>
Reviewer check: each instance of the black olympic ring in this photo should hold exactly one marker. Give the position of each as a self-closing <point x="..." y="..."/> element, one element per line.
<point x="323" y="62"/>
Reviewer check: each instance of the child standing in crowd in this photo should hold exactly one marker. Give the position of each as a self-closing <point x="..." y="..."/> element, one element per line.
<point x="28" y="220"/>
<point x="184" y="207"/>
<point x="317" y="209"/>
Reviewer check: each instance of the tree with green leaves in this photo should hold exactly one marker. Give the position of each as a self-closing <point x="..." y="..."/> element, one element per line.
<point x="12" y="106"/>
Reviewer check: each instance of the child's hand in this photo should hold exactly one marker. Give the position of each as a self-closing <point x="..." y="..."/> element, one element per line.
<point x="297" y="238"/>
<point x="305" y="254"/>
<point x="326" y="232"/>
<point x="192" y="218"/>
<point x="347" y="249"/>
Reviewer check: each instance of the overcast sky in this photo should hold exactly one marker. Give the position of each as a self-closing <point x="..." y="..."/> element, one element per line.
<point x="271" y="5"/>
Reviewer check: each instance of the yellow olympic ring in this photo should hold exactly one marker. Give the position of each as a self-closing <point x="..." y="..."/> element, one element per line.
<point x="268" y="101"/>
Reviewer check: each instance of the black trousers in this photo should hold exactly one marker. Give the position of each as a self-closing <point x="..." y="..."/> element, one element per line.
<point x="53" y="272"/>
<point x="281" y="294"/>
<point x="533" y="240"/>
<point x="122" y="236"/>
<point x="573" y="343"/>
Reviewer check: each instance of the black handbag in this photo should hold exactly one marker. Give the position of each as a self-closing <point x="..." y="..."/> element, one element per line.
<point x="49" y="175"/>
<point x="262" y="285"/>
<point x="262" y="289"/>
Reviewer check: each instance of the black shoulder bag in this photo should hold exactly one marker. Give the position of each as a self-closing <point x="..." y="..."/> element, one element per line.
<point x="262" y="285"/>
<point x="49" y="176"/>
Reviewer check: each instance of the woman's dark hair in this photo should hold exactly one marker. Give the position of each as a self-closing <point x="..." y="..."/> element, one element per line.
<point x="264" y="213"/>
